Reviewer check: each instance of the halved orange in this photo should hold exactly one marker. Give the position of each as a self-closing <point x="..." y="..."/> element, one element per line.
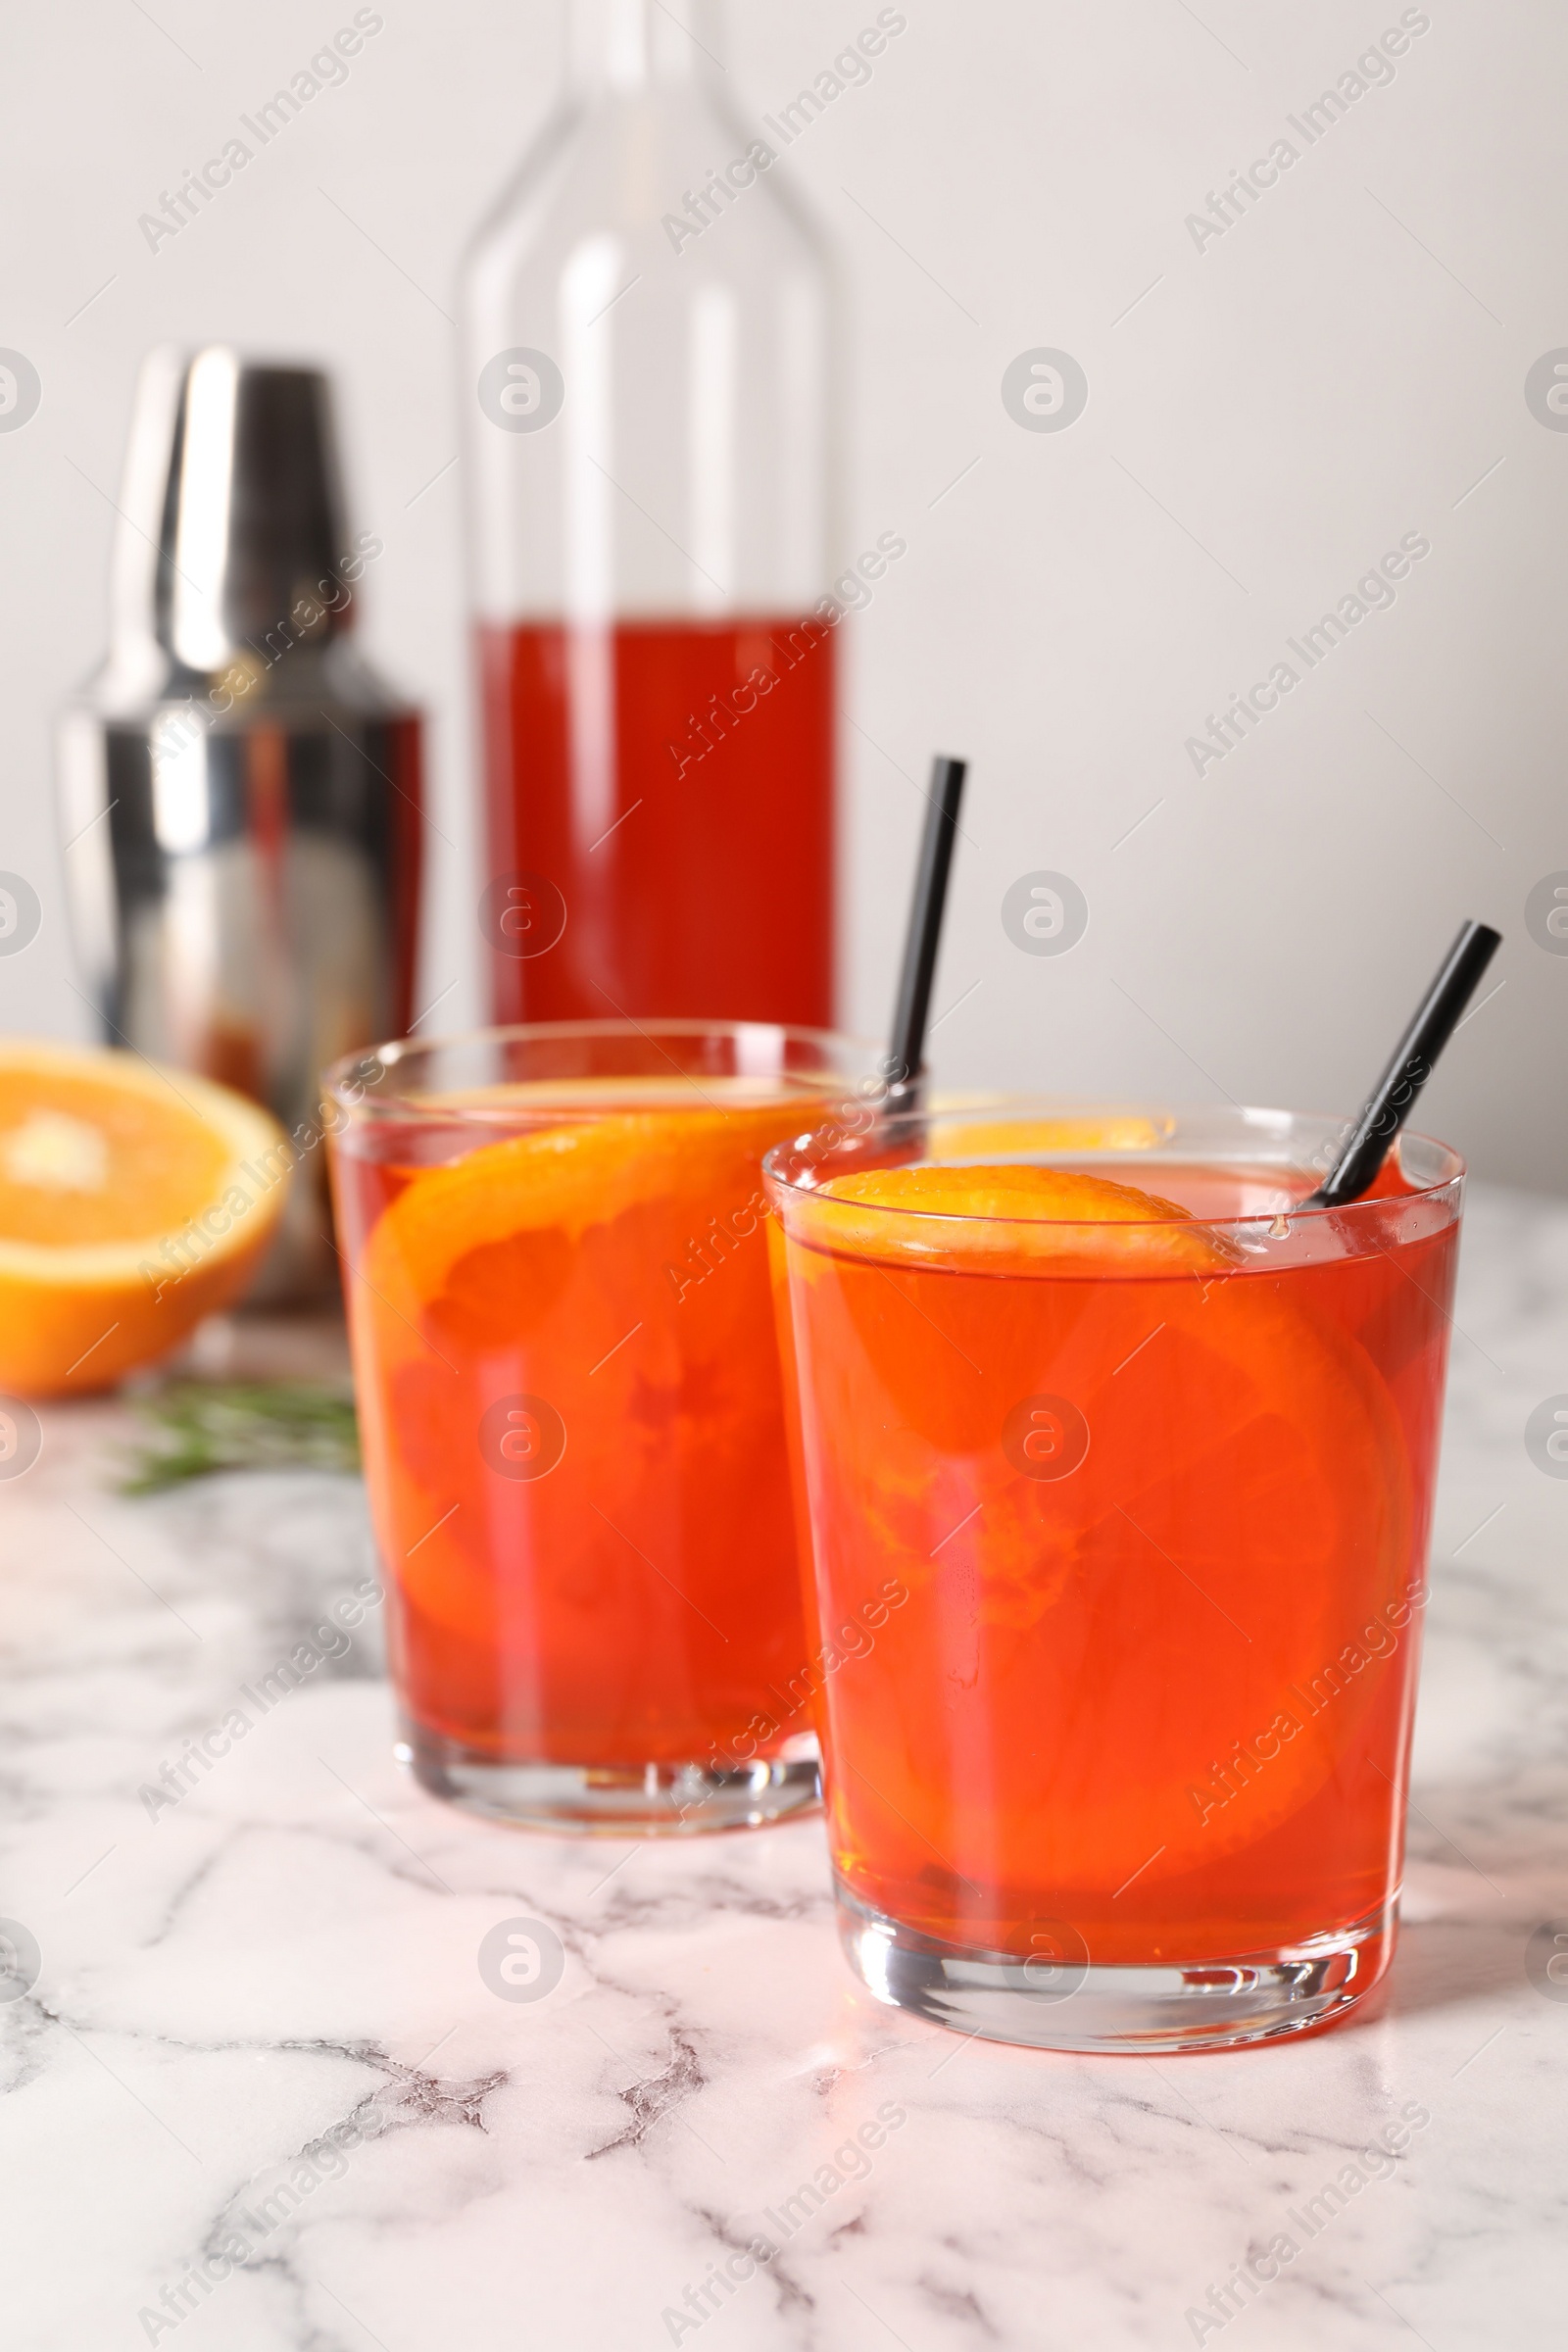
<point x="134" y="1201"/>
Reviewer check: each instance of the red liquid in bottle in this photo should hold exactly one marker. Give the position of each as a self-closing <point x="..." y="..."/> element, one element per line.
<point x="661" y="820"/>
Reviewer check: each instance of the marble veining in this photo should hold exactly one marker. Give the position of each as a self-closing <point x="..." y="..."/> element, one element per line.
<point x="260" y="2037"/>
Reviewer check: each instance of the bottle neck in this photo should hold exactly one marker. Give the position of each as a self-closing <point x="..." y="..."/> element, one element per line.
<point x="629" y="45"/>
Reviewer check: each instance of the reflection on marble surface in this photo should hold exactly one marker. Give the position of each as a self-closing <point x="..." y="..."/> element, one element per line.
<point x="268" y="2034"/>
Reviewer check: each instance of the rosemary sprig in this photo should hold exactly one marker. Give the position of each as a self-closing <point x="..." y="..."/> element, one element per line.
<point x="202" y="1426"/>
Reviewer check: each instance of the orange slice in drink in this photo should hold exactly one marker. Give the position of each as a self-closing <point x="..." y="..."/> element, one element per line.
<point x="518" y="1268"/>
<point x="1016" y="1212"/>
<point x="456" y="1226"/>
<point x="133" y="1201"/>
<point x="483" y="1247"/>
<point x="1242" y="1517"/>
<point x="1092" y="1631"/>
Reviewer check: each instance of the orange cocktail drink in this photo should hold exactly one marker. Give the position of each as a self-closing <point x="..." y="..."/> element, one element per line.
<point x="573" y="1414"/>
<point x="1137" y="1457"/>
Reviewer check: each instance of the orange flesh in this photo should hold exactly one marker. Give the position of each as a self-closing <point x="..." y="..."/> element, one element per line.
<point x="154" y="1164"/>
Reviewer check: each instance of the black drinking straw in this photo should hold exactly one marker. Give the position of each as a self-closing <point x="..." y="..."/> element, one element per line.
<point x="904" y="1065"/>
<point x="1391" y="1099"/>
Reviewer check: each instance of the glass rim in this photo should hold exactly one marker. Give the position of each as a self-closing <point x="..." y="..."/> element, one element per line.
<point x="349" y="1079"/>
<point x="1248" y="1118"/>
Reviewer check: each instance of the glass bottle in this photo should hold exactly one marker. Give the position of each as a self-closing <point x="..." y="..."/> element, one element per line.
<point x="646" y="315"/>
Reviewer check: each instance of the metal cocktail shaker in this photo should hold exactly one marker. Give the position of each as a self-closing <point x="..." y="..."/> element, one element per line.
<point x="240" y="793"/>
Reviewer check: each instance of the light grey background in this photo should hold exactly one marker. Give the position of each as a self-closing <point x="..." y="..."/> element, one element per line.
<point x="1266" y="416"/>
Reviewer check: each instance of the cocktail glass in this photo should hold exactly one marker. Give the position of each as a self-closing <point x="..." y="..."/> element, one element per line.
<point x="571" y="1412"/>
<point x="1118" y="1465"/>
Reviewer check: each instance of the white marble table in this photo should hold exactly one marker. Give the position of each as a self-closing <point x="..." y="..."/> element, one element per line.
<point x="290" y="1951"/>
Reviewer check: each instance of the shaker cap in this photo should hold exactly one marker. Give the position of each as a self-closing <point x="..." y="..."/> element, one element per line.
<point x="232" y="509"/>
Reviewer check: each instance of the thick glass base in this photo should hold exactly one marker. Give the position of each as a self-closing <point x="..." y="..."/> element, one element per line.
<point x="1071" y="2004"/>
<point x="615" y="1800"/>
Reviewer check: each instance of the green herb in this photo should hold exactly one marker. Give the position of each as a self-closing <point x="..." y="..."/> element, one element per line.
<point x="203" y="1426"/>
